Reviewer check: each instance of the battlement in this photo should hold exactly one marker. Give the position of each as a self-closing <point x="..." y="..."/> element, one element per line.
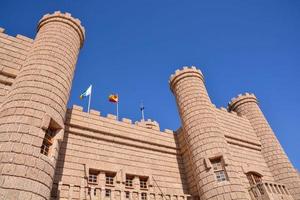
<point x="18" y="36"/>
<point x="14" y="50"/>
<point x="241" y="99"/>
<point x="146" y="124"/>
<point x="64" y="18"/>
<point x="184" y="72"/>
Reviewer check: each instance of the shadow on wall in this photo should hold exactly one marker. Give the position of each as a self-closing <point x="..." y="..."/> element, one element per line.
<point x="56" y="190"/>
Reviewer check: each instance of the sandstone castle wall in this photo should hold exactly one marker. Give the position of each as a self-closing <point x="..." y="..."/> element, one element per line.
<point x="50" y="152"/>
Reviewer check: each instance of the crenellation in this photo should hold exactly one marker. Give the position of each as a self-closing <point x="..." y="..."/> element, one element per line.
<point x="127" y="121"/>
<point x="95" y="112"/>
<point x="43" y="145"/>
<point x="64" y="18"/>
<point x="169" y="131"/>
<point x="24" y="38"/>
<point x="76" y="107"/>
<point x="111" y="116"/>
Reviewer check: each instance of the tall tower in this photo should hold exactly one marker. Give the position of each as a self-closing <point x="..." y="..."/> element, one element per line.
<point x="32" y="115"/>
<point x="275" y="157"/>
<point x="205" y="141"/>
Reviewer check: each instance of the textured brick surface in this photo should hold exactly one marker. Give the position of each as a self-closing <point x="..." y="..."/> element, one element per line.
<point x="203" y="136"/>
<point x="41" y="88"/>
<point x="35" y="82"/>
<point x="105" y="144"/>
<point x="275" y="157"/>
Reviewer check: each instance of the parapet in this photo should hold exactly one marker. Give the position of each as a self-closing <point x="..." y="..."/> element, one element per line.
<point x="241" y="99"/>
<point x="149" y="124"/>
<point x="184" y="72"/>
<point x="64" y="18"/>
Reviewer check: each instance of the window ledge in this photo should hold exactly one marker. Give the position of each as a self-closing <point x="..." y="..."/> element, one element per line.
<point x="92" y="183"/>
<point x="109" y="185"/>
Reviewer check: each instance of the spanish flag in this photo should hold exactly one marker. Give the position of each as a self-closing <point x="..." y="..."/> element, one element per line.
<point x="114" y="98"/>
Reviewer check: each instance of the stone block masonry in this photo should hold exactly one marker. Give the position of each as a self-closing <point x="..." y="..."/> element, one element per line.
<point x="35" y="102"/>
<point x="50" y="152"/>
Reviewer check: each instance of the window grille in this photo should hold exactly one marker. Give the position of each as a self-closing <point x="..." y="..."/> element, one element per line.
<point x="219" y="170"/>
<point x="143" y="183"/>
<point x="48" y="141"/>
<point x="127" y="195"/>
<point x="107" y="193"/>
<point x="129" y="180"/>
<point x="144" y="196"/>
<point x="93" y="177"/>
<point x="109" y="179"/>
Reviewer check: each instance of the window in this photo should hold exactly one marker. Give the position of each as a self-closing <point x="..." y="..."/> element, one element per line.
<point x="144" y="196"/>
<point x="219" y="169"/>
<point x="89" y="191"/>
<point x="109" y="178"/>
<point x="48" y="141"/>
<point x="95" y="192"/>
<point x="93" y="177"/>
<point x="127" y="195"/>
<point x="107" y="193"/>
<point x="143" y="183"/>
<point x="129" y="180"/>
<point x="255" y="179"/>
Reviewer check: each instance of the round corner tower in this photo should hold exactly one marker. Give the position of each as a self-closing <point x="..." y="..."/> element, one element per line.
<point x="205" y="141"/>
<point x="274" y="155"/>
<point x="32" y="115"/>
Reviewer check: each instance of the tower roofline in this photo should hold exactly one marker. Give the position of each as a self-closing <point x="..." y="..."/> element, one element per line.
<point x="241" y="99"/>
<point x="184" y="72"/>
<point x="65" y="18"/>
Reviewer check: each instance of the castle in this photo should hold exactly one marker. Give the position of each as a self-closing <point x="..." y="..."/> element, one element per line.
<point x="50" y="152"/>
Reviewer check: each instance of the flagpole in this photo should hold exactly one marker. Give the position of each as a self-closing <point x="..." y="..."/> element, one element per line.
<point x="142" y="111"/>
<point x="118" y="109"/>
<point x="89" y="103"/>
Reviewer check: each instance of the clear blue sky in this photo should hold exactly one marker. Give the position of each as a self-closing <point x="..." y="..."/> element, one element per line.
<point x="132" y="47"/>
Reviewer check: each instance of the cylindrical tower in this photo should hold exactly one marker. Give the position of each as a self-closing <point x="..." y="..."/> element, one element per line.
<point x="275" y="157"/>
<point x="213" y="169"/>
<point x="32" y="115"/>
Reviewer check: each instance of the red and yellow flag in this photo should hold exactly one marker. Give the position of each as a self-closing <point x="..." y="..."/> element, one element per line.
<point x="113" y="98"/>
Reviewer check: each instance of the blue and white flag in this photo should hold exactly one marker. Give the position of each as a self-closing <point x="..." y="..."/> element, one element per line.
<point x="87" y="92"/>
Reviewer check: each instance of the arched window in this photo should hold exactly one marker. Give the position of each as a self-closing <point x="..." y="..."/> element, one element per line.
<point x="253" y="178"/>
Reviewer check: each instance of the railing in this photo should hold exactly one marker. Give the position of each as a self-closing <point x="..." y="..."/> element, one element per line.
<point x="269" y="191"/>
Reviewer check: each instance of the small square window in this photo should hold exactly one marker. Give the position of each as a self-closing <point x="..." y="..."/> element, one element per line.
<point x="144" y="196"/>
<point x="107" y="193"/>
<point x="129" y="181"/>
<point x="143" y="183"/>
<point x="127" y="195"/>
<point x="219" y="169"/>
<point x="93" y="176"/>
<point x="109" y="178"/>
<point x="89" y="191"/>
